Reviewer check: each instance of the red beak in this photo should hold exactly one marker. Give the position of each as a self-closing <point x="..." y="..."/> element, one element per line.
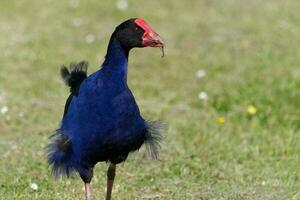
<point x="150" y="38"/>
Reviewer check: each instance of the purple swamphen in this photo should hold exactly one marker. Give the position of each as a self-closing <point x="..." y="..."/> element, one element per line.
<point x="101" y="120"/>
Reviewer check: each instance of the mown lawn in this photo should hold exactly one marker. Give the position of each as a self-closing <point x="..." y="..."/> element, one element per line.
<point x="216" y="147"/>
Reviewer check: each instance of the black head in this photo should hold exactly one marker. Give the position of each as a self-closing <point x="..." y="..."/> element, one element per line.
<point x="137" y="33"/>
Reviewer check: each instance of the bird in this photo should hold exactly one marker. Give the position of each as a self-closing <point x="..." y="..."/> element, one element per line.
<point x="101" y="120"/>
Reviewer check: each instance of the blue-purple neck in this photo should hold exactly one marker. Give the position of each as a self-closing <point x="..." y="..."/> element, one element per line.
<point x="116" y="61"/>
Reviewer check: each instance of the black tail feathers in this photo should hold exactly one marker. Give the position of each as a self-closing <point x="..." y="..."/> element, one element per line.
<point x="154" y="137"/>
<point x="74" y="76"/>
<point x="59" y="151"/>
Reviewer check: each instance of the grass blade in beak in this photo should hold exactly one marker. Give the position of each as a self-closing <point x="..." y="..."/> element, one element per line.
<point x="162" y="51"/>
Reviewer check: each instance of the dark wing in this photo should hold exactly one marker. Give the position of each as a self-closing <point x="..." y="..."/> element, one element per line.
<point x="73" y="77"/>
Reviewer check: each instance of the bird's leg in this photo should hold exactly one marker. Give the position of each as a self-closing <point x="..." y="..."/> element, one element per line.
<point x="88" y="191"/>
<point x="86" y="176"/>
<point x="111" y="172"/>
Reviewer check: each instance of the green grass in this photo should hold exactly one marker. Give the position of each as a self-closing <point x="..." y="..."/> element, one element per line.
<point x="250" y="52"/>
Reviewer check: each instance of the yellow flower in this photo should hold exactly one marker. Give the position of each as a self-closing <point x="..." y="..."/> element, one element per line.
<point x="251" y="110"/>
<point x="221" y="120"/>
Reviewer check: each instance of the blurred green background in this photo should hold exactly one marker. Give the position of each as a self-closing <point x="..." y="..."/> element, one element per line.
<point x="228" y="88"/>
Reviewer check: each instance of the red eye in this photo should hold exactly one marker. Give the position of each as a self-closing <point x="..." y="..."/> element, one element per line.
<point x="137" y="29"/>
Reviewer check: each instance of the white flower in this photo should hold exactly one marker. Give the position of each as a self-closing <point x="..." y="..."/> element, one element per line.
<point x="90" y="38"/>
<point x="76" y="22"/>
<point x="263" y="183"/>
<point x="4" y="110"/>
<point x="34" y="186"/>
<point x="21" y="114"/>
<point x="202" y="96"/>
<point x="122" y="4"/>
<point x="200" y="73"/>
